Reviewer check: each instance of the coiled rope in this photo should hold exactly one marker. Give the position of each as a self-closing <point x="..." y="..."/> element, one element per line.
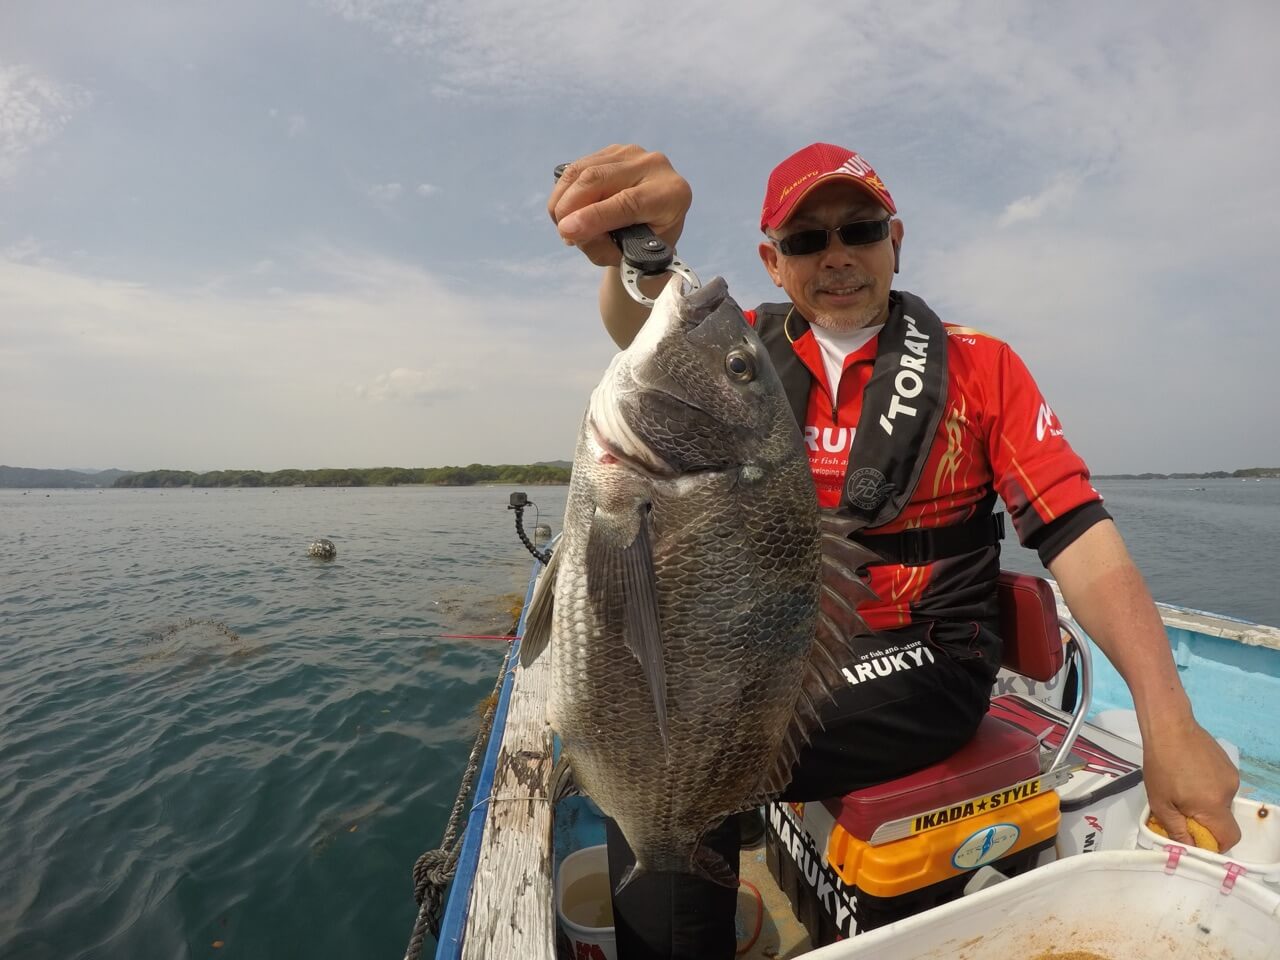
<point x="434" y="870"/>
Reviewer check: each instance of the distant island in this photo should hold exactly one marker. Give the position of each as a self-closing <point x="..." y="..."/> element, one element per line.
<point x="544" y="472"/>
<point x="27" y="478"/>
<point x="548" y="472"/>
<point x="1249" y="473"/>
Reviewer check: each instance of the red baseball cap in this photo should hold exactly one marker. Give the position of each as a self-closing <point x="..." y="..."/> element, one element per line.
<point x="817" y="163"/>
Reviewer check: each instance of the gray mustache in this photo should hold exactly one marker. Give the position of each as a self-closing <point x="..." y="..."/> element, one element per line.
<point x="840" y="280"/>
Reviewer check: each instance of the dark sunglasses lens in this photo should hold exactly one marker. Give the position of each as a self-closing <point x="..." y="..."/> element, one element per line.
<point x="851" y="234"/>
<point x="804" y="242"/>
<point x="863" y="231"/>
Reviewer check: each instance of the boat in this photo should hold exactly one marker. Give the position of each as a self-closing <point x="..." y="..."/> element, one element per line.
<point x="1045" y="805"/>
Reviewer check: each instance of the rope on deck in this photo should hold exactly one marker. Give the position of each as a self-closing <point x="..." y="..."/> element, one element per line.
<point x="434" y="870"/>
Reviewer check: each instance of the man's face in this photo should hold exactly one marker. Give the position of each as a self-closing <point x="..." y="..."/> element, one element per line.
<point x="842" y="288"/>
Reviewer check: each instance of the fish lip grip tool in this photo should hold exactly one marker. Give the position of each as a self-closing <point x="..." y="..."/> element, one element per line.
<point x="645" y="254"/>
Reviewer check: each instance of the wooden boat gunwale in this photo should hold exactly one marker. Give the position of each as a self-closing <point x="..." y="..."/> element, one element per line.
<point x="459" y="919"/>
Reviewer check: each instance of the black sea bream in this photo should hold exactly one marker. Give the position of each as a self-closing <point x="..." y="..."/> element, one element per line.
<point x="682" y="602"/>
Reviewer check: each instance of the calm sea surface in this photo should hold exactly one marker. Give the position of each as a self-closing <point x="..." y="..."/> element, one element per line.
<point x="214" y="746"/>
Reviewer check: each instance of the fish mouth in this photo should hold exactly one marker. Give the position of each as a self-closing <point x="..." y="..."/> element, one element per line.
<point x="645" y="461"/>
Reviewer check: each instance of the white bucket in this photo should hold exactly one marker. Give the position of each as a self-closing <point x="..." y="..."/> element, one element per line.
<point x="584" y="904"/>
<point x="1119" y="904"/>
<point x="1258" y="850"/>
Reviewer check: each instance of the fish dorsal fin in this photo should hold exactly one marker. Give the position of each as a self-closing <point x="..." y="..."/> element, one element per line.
<point x="621" y="578"/>
<point x="832" y="650"/>
<point x="537" y="622"/>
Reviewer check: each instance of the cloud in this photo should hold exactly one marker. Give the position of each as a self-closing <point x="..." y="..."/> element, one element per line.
<point x="413" y="386"/>
<point x="532" y="209"/>
<point x="26" y="250"/>
<point x="33" y="111"/>
<point x="295" y="124"/>
<point x="499" y="48"/>
<point x="386" y="192"/>
<point x="196" y="377"/>
<point x="1055" y="196"/>
<point x="969" y="89"/>
<point x="1094" y="184"/>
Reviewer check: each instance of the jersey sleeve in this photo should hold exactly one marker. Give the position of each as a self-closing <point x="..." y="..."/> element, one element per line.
<point x="1043" y="482"/>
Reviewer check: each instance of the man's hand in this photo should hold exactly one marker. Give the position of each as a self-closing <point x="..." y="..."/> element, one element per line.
<point x="617" y="187"/>
<point x="1186" y="773"/>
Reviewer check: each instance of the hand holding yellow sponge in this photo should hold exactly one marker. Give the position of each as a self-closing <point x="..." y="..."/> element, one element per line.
<point x="1200" y="835"/>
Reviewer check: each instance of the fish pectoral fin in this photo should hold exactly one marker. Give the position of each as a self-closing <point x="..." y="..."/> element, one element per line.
<point x="620" y="576"/>
<point x="711" y="866"/>
<point x="537" y="621"/>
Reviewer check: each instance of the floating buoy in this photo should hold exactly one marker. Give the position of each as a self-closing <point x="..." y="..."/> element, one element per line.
<point x="322" y="549"/>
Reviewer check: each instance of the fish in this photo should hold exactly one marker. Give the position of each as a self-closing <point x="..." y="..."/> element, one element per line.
<point x="697" y="607"/>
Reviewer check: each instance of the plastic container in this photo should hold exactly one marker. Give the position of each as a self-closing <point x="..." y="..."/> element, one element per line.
<point x="1258" y="850"/>
<point x="1119" y="904"/>
<point x="584" y="905"/>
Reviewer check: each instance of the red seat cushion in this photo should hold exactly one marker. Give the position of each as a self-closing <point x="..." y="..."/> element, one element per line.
<point x="999" y="755"/>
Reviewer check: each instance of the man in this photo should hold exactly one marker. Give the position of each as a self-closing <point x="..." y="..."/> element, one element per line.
<point x="912" y="426"/>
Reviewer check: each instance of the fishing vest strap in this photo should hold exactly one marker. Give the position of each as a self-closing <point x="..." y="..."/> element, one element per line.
<point x="902" y="404"/>
<point x="916" y="548"/>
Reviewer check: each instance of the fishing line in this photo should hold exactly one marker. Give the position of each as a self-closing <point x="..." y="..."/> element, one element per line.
<point x="493" y="799"/>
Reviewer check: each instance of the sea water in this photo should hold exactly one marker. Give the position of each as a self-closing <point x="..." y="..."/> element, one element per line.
<point x="212" y="745"/>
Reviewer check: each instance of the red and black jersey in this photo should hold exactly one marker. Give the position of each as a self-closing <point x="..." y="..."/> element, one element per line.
<point x="997" y="433"/>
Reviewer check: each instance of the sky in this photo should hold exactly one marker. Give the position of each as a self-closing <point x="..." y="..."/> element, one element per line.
<point x="312" y="233"/>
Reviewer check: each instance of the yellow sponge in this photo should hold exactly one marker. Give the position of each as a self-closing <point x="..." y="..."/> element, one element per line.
<point x="1200" y="835"/>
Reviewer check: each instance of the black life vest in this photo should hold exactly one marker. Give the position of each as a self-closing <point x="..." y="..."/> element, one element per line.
<point x="902" y="406"/>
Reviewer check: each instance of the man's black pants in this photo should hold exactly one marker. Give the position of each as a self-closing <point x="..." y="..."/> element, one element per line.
<point x="917" y="696"/>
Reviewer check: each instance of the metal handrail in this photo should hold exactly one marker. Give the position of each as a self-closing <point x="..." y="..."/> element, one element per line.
<point x="1080" y="643"/>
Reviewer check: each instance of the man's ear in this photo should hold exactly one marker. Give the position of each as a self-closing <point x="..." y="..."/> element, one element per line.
<point x="769" y="257"/>
<point x="896" y="233"/>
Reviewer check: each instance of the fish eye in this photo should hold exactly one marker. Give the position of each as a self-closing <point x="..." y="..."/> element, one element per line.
<point x="740" y="366"/>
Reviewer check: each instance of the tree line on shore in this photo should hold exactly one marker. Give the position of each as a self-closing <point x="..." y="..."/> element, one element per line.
<point x="474" y="473"/>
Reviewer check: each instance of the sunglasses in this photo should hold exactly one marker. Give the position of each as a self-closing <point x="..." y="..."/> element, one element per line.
<point x="804" y="242"/>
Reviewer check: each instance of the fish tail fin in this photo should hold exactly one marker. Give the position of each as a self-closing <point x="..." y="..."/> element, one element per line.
<point x="711" y="866"/>
<point x="633" y="871"/>
<point x="706" y="864"/>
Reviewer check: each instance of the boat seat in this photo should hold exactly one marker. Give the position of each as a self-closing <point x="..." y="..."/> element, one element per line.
<point x="1000" y="754"/>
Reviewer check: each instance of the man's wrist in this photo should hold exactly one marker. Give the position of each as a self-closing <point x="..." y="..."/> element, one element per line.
<point x="1164" y="709"/>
